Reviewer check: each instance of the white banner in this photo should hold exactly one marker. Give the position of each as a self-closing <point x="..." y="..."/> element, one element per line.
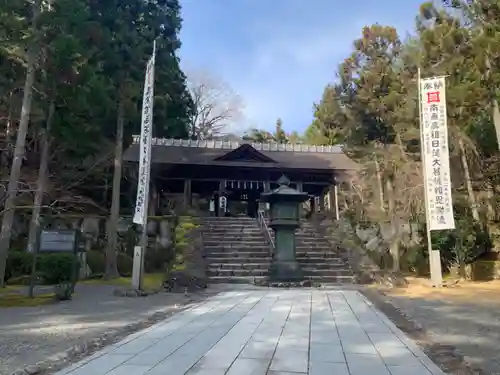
<point x="435" y="153"/>
<point x="141" y="205"/>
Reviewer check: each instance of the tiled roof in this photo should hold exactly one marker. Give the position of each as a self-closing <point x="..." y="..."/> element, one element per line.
<point x="205" y="152"/>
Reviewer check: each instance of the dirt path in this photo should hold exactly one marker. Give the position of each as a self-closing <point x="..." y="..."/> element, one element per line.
<point x="466" y="316"/>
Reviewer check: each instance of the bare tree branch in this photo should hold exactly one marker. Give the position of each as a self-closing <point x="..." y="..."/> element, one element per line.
<point x="216" y="105"/>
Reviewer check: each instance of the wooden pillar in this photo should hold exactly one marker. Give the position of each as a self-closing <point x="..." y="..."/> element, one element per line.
<point x="267" y="189"/>
<point x="336" y="201"/>
<point x="222" y="187"/>
<point x="314" y="207"/>
<point x="187" y="193"/>
<point x="153" y="199"/>
<point x="321" y="203"/>
<point x="333" y="200"/>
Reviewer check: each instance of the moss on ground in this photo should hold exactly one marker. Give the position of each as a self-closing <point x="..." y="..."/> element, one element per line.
<point x="10" y="299"/>
<point x="152" y="281"/>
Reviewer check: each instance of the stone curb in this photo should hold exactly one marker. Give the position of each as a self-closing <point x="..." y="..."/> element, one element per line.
<point x="82" y="350"/>
<point x="447" y="357"/>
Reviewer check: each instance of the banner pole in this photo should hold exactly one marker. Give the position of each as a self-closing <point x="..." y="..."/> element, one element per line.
<point x="142" y="202"/>
<point x="434" y="255"/>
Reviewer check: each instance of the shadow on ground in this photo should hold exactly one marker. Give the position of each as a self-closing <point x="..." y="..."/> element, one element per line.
<point x="467" y="319"/>
<point x="33" y="334"/>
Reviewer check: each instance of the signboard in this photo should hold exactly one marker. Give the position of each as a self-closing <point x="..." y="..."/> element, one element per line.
<point x="58" y="240"/>
<point x="145" y="144"/>
<point x="435" y="153"/>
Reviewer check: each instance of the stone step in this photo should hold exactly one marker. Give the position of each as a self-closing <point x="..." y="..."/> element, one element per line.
<point x="308" y="272"/>
<point x="309" y="269"/>
<point x="227" y="223"/>
<point x="239" y="266"/>
<point x="252" y="225"/>
<point x="233" y="236"/>
<point x="334" y="279"/>
<point x="243" y="242"/>
<point x="310" y="236"/>
<point x="250" y="279"/>
<point x="324" y="266"/>
<point x="236" y="224"/>
<point x="244" y="232"/>
<point x="236" y="260"/>
<point x="232" y="231"/>
<point x="312" y="260"/>
<point x="238" y="254"/>
<point x="240" y="272"/>
<point x="249" y="227"/>
<point x="317" y="254"/>
<point x="235" y="279"/>
<point x="228" y="218"/>
<point x="233" y="239"/>
<point x="316" y="248"/>
<point x="235" y="245"/>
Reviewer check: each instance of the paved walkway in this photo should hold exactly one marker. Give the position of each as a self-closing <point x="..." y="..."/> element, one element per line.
<point x="276" y="332"/>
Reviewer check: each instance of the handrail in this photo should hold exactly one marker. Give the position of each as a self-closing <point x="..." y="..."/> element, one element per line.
<point x="263" y="225"/>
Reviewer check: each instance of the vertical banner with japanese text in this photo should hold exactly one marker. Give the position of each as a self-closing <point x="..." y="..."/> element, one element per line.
<point x="435" y="153"/>
<point x="145" y="144"/>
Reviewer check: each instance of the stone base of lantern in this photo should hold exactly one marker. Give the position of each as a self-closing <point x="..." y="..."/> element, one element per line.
<point x="284" y="266"/>
<point x="285" y="271"/>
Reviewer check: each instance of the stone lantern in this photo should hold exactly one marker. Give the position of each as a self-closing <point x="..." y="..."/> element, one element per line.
<point x="284" y="220"/>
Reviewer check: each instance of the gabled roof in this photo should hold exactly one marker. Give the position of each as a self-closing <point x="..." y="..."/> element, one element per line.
<point x="213" y="152"/>
<point x="245" y="153"/>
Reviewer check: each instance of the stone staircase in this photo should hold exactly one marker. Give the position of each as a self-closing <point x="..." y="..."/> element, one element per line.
<point x="318" y="259"/>
<point x="236" y="251"/>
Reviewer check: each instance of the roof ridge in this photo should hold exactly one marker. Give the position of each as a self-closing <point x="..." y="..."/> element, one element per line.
<point x="232" y="145"/>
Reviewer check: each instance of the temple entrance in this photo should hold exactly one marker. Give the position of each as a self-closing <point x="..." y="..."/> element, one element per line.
<point x="227" y="179"/>
<point x="243" y="202"/>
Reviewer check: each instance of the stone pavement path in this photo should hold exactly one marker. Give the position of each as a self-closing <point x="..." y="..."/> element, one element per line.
<point x="274" y="332"/>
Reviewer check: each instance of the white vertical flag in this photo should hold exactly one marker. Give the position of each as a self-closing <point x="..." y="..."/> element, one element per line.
<point x="434" y="132"/>
<point x="141" y="205"/>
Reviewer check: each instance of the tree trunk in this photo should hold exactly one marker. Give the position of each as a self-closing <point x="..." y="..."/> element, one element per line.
<point x="490" y="202"/>
<point x="496" y="111"/>
<point x="468" y="181"/>
<point x="111" y="257"/>
<point x="379" y="185"/>
<point x="394" y="245"/>
<point x="41" y="184"/>
<point x="19" y="152"/>
<point x="496" y="120"/>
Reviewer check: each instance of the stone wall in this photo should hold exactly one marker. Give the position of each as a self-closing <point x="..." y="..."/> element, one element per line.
<point x="484" y="270"/>
<point x="352" y="244"/>
<point x="94" y="231"/>
<point x="376" y="238"/>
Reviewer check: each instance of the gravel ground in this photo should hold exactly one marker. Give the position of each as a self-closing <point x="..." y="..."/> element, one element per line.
<point x="465" y="318"/>
<point x="30" y="335"/>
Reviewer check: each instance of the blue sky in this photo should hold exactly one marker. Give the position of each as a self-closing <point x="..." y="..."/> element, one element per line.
<point x="278" y="55"/>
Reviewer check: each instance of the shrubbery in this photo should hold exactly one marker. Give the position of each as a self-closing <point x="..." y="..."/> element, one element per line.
<point x="458" y="247"/>
<point x="56" y="268"/>
<point x="96" y="261"/>
<point x="52" y="268"/>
